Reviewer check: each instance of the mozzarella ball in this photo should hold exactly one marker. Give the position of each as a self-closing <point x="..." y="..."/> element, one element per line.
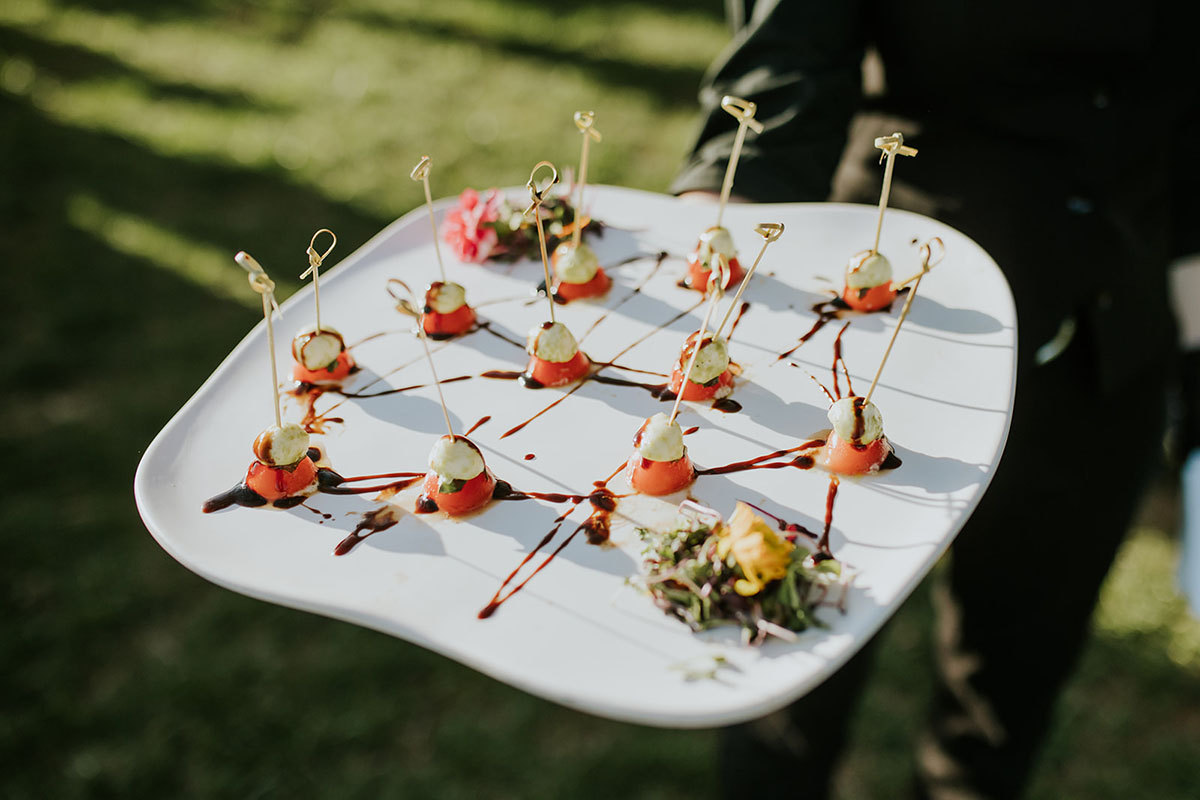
<point x="712" y="360"/>
<point x="551" y="342"/>
<point x="575" y="264"/>
<point x="455" y="459"/>
<point x="317" y="350"/>
<point x="844" y="414"/>
<point x="281" y="445"/>
<point x="866" y="270"/>
<point x="445" y="298"/>
<point x="716" y="240"/>
<point x="660" y="439"/>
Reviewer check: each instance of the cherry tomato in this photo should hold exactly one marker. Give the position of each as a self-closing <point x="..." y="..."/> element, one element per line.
<point x="657" y="478"/>
<point x="872" y="299"/>
<point x="698" y="391"/>
<point x="274" y="483"/>
<point x="697" y="277"/>
<point x="444" y="326"/>
<point x="846" y="458"/>
<point x="598" y="285"/>
<point x="341" y="368"/>
<point x="554" y="373"/>
<point x="474" y="494"/>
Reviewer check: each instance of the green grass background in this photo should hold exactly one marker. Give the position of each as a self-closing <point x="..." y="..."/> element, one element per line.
<point x="141" y="144"/>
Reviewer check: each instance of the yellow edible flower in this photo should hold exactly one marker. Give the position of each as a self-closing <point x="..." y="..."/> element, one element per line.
<point x="760" y="552"/>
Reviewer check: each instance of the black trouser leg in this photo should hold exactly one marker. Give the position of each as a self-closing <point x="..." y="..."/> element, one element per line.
<point x="1015" y="605"/>
<point x="794" y="751"/>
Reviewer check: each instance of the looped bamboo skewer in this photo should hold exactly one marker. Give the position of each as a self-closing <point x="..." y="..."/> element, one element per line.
<point x="262" y="283"/>
<point x="585" y="122"/>
<point x="770" y="231"/>
<point x="927" y="263"/>
<point x="315" y="260"/>
<point x="411" y="302"/>
<point x="743" y="111"/>
<point x="421" y="173"/>
<point x="537" y="197"/>
<point x="890" y="147"/>
<point x="718" y="291"/>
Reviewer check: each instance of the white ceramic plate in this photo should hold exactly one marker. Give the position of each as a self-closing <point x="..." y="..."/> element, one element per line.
<point x="578" y="634"/>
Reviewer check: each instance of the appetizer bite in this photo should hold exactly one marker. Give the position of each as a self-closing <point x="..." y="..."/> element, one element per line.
<point x="458" y="481"/>
<point x="319" y="350"/>
<point x="578" y="272"/>
<point x="711" y="377"/>
<point x="856" y="445"/>
<point x="714" y="242"/>
<point x="868" y="282"/>
<point x="717" y="241"/>
<point x="282" y="467"/>
<point x="321" y="356"/>
<point x="445" y="313"/>
<point x="575" y="264"/>
<point x="555" y="357"/>
<point x="659" y="464"/>
<point x="868" y="285"/>
<point x="283" y="472"/>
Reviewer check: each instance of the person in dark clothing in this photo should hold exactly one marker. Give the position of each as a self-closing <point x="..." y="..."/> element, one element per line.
<point x="1053" y="135"/>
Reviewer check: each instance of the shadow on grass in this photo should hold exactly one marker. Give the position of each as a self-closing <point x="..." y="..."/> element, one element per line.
<point x="68" y="63"/>
<point x="285" y="22"/>
<point x="672" y="87"/>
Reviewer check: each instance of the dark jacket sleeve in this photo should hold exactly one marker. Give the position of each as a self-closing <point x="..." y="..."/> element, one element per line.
<point x="800" y="61"/>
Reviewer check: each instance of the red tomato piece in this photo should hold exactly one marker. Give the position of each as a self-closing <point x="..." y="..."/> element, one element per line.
<point x="657" y="478"/>
<point x="697" y="277"/>
<point x="274" y="483"/>
<point x="554" y="373"/>
<point x="872" y="299"/>
<point x="474" y="494"/>
<point x="846" y="458"/>
<point x="697" y="391"/>
<point x="444" y="326"/>
<point x="598" y="285"/>
<point x="341" y="368"/>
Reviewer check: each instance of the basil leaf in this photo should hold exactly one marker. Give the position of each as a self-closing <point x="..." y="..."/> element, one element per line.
<point x="450" y="487"/>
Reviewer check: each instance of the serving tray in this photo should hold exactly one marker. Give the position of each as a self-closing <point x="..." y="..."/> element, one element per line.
<point x="579" y="632"/>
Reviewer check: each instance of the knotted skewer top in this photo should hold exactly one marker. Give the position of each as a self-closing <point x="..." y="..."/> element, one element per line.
<point x="889" y="147"/>
<point x="585" y="120"/>
<point x="536" y="198"/>
<point x="262" y="283"/>
<point x="314" y="266"/>
<point x="420" y="173"/>
<point x="743" y="111"/>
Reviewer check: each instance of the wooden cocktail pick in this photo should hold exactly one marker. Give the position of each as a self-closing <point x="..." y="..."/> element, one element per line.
<point x="743" y="111"/>
<point x="585" y="121"/>
<point x="409" y="305"/>
<point x="262" y="283"/>
<point x="932" y="252"/>
<point x="314" y="267"/>
<point x="891" y="146"/>
<point x="537" y="196"/>
<point x="770" y="231"/>
<point x="421" y="173"/>
<point x="717" y="287"/>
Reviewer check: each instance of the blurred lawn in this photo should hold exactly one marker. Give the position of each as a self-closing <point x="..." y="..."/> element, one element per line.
<point x="141" y="144"/>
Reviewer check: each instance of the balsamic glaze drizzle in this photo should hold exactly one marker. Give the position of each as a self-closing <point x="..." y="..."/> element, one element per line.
<point x="831" y="309"/>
